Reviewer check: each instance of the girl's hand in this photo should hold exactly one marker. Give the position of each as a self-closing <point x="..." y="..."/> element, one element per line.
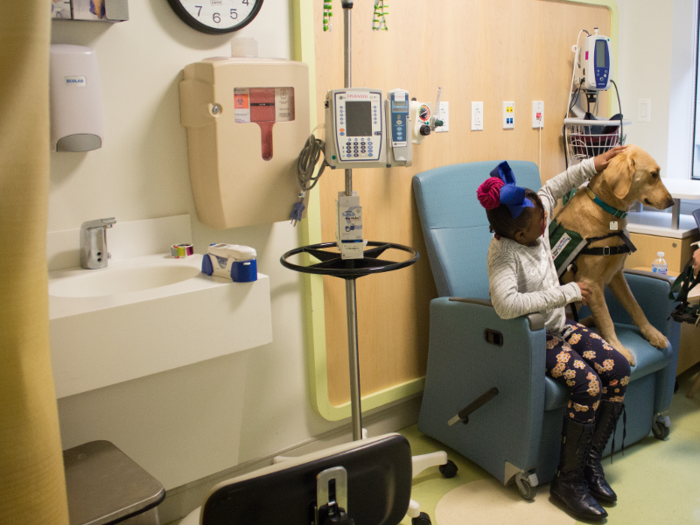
<point x="585" y="292"/>
<point x="601" y="161"/>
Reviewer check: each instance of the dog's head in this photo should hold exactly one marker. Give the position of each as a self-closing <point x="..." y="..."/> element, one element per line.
<point x="634" y="175"/>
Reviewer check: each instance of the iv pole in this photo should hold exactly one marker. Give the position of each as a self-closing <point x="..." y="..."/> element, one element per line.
<point x="350" y="295"/>
<point x="331" y="263"/>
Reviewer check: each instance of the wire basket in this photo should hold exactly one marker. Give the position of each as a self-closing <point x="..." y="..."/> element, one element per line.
<point x="585" y="140"/>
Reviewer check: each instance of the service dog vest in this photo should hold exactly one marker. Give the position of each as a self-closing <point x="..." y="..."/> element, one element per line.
<point x="567" y="245"/>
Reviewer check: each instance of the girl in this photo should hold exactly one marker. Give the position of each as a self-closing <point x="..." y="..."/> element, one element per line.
<point x="523" y="280"/>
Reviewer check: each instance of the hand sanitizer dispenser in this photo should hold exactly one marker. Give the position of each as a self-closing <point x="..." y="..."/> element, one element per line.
<point x="76" y="105"/>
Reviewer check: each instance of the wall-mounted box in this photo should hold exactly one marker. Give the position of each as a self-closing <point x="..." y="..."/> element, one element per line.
<point x="90" y="10"/>
<point x="247" y="120"/>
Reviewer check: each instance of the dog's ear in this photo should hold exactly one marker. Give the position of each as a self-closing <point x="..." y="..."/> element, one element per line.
<point x="619" y="175"/>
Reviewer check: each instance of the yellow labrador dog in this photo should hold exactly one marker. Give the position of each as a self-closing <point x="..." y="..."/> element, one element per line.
<point x="631" y="176"/>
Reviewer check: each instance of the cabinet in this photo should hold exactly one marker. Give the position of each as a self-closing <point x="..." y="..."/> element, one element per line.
<point x="650" y="235"/>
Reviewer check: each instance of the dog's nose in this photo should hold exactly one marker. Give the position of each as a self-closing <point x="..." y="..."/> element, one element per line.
<point x="669" y="203"/>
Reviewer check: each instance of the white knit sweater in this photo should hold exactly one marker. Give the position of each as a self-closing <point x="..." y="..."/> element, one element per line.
<point x="523" y="279"/>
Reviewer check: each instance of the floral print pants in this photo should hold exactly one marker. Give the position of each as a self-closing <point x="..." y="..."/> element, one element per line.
<point x="589" y="368"/>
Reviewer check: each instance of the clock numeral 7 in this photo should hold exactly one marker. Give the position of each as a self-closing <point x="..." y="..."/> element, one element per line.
<point x="199" y="7"/>
<point x="234" y="14"/>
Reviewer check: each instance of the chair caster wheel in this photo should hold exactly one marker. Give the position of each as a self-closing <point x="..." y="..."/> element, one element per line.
<point x="449" y="469"/>
<point x="525" y="487"/>
<point x="422" y="519"/>
<point x="661" y="427"/>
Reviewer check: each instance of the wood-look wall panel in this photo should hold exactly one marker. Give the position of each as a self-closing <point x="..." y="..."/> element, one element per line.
<point x="476" y="50"/>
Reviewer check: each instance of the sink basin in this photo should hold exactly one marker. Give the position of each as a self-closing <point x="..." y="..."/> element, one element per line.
<point x="145" y="315"/>
<point x="111" y="281"/>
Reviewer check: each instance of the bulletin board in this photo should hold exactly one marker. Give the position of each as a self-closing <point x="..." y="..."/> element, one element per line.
<point x="475" y="50"/>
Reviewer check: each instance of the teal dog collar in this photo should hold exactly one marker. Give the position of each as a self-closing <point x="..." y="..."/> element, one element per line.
<point x="613" y="211"/>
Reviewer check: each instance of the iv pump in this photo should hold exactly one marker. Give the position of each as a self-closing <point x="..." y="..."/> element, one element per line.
<point x="365" y="131"/>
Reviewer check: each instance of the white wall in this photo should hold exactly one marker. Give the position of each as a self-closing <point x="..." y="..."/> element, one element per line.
<point x="656" y="62"/>
<point x="191" y="422"/>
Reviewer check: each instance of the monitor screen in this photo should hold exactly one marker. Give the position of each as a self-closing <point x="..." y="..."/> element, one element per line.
<point x="600" y="55"/>
<point x="359" y="118"/>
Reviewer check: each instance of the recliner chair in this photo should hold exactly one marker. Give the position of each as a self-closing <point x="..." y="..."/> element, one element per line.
<point x="516" y="434"/>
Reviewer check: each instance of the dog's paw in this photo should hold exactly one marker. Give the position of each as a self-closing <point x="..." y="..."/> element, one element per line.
<point x="656" y="338"/>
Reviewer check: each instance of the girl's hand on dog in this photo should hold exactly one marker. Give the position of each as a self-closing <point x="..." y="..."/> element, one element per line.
<point x="585" y="292"/>
<point x="601" y="161"/>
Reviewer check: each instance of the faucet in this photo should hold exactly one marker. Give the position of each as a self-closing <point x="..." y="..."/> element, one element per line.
<point x="93" y="243"/>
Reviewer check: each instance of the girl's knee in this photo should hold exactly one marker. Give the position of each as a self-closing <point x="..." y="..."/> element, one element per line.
<point x="623" y="366"/>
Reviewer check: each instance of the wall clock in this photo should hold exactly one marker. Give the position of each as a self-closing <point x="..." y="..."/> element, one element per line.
<point x="216" y="17"/>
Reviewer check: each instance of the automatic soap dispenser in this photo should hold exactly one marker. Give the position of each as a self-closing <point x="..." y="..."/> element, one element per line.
<point x="76" y="101"/>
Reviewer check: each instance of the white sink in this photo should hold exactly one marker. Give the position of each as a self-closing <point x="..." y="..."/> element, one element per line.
<point x="112" y="281"/>
<point x="147" y="314"/>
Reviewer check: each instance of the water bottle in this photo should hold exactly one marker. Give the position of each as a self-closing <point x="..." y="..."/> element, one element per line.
<point x="659" y="265"/>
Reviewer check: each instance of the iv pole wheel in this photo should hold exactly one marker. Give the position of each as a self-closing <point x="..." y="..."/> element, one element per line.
<point x="331" y="263"/>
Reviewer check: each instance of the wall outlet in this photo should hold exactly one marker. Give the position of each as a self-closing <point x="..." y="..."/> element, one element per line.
<point x="477" y="116"/>
<point x="538" y="113"/>
<point x="509" y="115"/>
<point x="444" y="115"/>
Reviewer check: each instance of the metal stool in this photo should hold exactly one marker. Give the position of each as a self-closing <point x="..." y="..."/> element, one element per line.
<point x="106" y="486"/>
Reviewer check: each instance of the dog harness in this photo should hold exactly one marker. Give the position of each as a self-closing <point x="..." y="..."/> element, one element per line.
<point x="567" y="245"/>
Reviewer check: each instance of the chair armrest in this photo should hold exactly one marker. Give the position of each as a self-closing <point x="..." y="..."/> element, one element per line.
<point x="536" y="321"/>
<point x="473" y="350"/>
<point x="651" y="292"/>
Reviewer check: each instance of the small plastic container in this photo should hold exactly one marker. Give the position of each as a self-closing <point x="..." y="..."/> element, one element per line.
<point x="659" y="265"/>
<point x="232" y="261"/>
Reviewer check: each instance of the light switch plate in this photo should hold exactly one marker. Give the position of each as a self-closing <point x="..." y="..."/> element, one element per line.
<point x="477" y="116"/>
<point x="644" y="110"/>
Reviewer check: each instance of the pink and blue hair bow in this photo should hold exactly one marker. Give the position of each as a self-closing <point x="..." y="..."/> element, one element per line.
<point x="500" y="188"/>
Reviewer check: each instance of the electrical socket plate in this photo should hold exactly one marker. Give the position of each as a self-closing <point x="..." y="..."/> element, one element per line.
<point x="509" y="115"/>
<point x="477" y="116"/>
<point x="444" y="115"/>
<point x="538" y="114"/>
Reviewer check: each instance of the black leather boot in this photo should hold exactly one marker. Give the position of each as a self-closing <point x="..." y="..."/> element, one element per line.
<point x="569" y="485"/>
<point x="605" y="421"/>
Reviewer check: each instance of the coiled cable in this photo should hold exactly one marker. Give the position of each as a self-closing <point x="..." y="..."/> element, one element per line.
<point x="307" y="160"/>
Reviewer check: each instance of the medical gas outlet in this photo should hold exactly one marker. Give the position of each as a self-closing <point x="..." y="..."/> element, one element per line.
<point x="421" y="113"/>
